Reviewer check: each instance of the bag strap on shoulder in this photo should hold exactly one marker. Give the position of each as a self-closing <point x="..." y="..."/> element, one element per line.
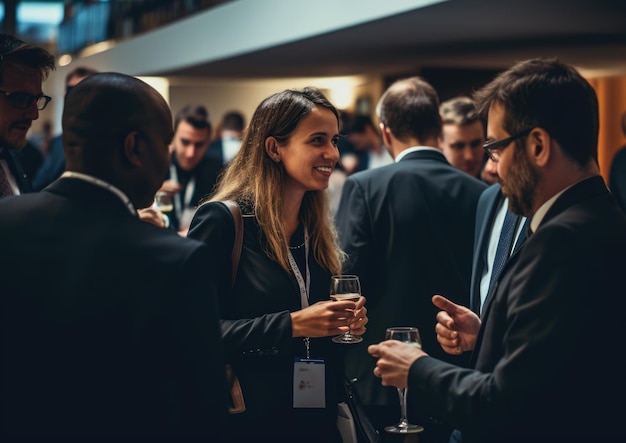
<point x="235" y="211"/>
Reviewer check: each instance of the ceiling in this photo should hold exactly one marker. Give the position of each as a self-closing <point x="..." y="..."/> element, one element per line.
<point x="481" y="34"/>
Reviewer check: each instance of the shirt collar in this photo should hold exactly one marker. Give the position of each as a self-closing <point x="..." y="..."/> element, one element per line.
<point x="407" y="151"/>
<point x="102" y="184"/>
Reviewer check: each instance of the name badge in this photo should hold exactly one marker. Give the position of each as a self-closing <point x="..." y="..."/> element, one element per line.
<point x="309" y="384"/>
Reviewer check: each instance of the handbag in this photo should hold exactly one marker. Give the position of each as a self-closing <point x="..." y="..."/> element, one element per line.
<point x="237" y="404"/>
<point x="354" y="424"/>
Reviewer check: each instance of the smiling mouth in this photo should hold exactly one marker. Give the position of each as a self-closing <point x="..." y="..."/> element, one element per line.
<point x="324" y="169"/>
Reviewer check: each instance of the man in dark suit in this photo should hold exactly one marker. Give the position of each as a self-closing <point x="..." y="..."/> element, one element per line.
<point x="192" y="174"/>
<point x="544" y="349"/>
<point x="408" y="230"/>
<point x="111" y="328"/>
<point x="23" y="67"/>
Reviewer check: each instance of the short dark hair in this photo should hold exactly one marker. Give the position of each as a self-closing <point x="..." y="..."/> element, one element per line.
<point x="358" y="123"/>
<point x="410" y="109"/>
<point x="196" y="115"/>
<point x="548" y="94"/>
<point x="14" y="50"/>
<point x="233" y="120"/>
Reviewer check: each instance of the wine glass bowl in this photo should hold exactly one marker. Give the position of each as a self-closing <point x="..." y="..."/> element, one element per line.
<point x="410" y="335"/>
<point x="345" y="287"/>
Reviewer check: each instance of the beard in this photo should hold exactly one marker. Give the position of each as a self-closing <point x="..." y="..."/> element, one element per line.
<point x="520" y="184"/>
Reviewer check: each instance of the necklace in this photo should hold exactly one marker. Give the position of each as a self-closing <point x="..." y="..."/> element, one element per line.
<point x="297" y="247"/>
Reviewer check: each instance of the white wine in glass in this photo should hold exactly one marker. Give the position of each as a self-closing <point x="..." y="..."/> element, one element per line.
<point x="345" y="287"/>
<point x="406" y="335"/>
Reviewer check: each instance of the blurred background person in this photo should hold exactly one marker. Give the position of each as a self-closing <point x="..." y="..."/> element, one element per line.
<point x="462" y="135"/>
<point x="227" y="140"/>
<point x="23" y="67"/>
<point x="192" y="174"/>
<point x="54" y="162"/>
<point x="366" y="149"/>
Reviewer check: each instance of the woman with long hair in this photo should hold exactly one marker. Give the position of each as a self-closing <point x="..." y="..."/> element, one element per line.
<point x="277" y="318"/>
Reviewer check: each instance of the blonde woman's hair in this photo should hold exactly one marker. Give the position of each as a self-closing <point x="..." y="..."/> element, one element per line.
<point x="253" y="178"/>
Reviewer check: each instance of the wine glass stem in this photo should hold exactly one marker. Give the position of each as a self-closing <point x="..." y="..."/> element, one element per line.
<point x="403" y="419"/>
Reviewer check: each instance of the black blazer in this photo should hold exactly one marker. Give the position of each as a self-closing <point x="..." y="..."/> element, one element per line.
<point x="257" y="334"/>
<point x="408" y="229"/>
<point x="109" y="324"/>
<point x="545" y="362"/>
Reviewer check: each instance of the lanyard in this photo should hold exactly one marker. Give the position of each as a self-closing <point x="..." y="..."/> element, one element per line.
<point x="304" y="286"/>
<point x="104" y="185"/>
<point x="181" y="205"/>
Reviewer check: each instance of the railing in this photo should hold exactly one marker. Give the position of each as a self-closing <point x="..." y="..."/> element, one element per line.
<point x="90" y="22"/>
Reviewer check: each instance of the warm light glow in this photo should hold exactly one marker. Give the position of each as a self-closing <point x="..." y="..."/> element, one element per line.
<point x="65" y="60"/>
<point x="341" y="90"/>
<point x="161" y="84"/>
<point x="97" y="48"/>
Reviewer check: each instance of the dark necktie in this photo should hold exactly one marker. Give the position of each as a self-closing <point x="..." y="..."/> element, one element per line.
<point x="504" y="246"/>
<point x="5" y="186"/>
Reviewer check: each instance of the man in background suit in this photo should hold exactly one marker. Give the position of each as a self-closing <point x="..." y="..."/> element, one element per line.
<point x="23" y="67"/>
<point x="543" y="350"/>
<point x="54" y="162"/>
<point x="109" y="324"/>
<point x="192" y="174"/>
<point x="462" y="135"/>
<point x="408" y="230"/>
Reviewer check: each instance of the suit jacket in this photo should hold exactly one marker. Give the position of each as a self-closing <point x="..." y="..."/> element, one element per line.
<point x="257" y="334"/>
<point x="109" y="324"/>
<point x="544" y="330"/>
<point x="14" y="161"/>
<point x="408" y="230"/>
<point x="486" y="211"/>
<point x="617" y="177"/>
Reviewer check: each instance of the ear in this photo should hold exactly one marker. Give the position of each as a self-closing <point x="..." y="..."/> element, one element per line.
<point x="540" y="146"/>
<point x="132" y="148"/>
<point x="271" y="148"/>
<point x="386" y="133"/>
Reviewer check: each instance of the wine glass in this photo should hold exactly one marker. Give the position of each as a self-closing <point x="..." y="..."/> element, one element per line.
<point x="345" y="287"/>
<point x="164" y="202"/>
<point x="406" y="335"/>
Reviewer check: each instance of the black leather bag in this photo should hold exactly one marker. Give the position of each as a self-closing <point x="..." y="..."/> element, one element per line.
<point x="365" y="430"/>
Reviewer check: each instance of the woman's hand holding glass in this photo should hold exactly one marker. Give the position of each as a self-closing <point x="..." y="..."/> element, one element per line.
<point x="328" y="318"/>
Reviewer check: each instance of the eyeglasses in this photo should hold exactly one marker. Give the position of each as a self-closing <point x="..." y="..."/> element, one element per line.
<point x="495" y="148"/>
<point x="22" y="100"/>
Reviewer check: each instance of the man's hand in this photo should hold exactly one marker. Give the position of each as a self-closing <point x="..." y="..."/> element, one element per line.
<point x="457" y="326"/>
<point x="394" y="361"/>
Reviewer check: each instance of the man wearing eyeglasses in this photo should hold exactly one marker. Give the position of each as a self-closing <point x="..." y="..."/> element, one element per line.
<point x="23" y="67"/>
<point x="543" y="351"/>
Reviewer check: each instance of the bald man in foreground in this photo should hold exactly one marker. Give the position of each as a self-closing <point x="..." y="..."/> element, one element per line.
<point x="109" y="326"/>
